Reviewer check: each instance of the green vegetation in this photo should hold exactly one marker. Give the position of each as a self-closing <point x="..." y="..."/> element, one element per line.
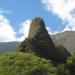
<point x="37" y="55"/>
<point x="68" y="68"/>
<point x="71" y="65"/>
<point x="18" y="63"/>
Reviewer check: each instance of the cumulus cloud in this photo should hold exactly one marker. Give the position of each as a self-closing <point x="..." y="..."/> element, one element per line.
<point x="24" y="30"/>
<point x="7" y="33"/>
<point x="50" y="31"/>
<point x="64" y="9"/>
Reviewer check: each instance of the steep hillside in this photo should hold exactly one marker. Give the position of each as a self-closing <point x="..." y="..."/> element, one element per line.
<point x="66" y="39"/>
<point x="18" y="63"/>
<point x="40" y="43"/>
<point x="8" y="46"/>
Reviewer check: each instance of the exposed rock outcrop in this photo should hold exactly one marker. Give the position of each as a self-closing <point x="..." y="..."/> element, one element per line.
<point x="40" y="43"/>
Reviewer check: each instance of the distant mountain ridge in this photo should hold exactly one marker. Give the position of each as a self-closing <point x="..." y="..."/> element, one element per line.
<point x="8" y="47"/>
<point x="66" y="39"/>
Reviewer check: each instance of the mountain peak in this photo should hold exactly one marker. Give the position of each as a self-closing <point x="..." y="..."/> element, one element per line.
<point x="40" y="43"/>
<point x="38" y="21"/>
<point x="36" y="25"/>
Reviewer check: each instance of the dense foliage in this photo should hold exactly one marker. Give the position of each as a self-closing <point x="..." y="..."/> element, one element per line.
<point x="68" y="68"/>
<point x="18" y="63"/>
<point x="71" y="65"/>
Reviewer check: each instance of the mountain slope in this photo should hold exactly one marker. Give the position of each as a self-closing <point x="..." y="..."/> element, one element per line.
<point x="19" y="63"/>
<point x="40" y="43"/>
<point x="8" y="46"/>
<point x="66" y="39"/>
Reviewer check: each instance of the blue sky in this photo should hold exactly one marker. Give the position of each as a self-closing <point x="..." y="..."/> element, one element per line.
<point x="28" y="9"/>
<point x="22" y="10"/>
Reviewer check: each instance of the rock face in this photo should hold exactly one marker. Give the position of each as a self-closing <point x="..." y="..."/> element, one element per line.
<point x="40" y="43"/>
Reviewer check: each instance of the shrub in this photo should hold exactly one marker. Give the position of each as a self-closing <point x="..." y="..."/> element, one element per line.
<point x="71" y="65"/>
<point x="19" y="63"/>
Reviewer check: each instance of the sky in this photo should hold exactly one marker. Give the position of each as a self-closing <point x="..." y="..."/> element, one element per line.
<point x="16" y="16"/>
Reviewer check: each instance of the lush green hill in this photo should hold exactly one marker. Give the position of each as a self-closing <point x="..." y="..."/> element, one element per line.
<point x="66" y="39"/>
<point x="8" y="46"/>
<point x="18" y="63"/>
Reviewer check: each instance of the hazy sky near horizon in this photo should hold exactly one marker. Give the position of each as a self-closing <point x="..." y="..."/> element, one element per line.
<point x="16" y="16"/>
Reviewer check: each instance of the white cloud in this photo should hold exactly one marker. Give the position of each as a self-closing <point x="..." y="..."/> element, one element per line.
<point x="64" y="9"/>
<point x="3" y="11"/>
<point x="7" y="33"/>
<point x="48" y="28"/>
<point x="24" y="30"/>
<point x="50" y="31"/>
